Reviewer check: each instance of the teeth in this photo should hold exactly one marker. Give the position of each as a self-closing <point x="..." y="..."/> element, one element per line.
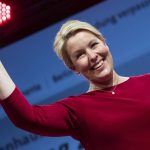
<point x="98" y="65"/>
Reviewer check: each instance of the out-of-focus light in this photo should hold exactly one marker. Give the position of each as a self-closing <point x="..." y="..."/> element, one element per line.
<point x="4" y="18"/>
<point x="3" y="5"/>
<point x="3" y="9"/>
<point x="8" y="11"/>
<point x="5" y="13"/>
<point x="8" y="16"/>
<point x="7" y="7"/>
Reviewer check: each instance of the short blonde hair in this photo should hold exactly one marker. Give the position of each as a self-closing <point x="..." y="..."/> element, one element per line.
<point x="67" y="30"/>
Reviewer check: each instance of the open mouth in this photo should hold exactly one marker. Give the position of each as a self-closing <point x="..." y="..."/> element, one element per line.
<point x="97" y="65"/>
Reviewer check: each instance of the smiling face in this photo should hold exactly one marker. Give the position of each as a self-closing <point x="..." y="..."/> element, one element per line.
<point x="90" y="56"/>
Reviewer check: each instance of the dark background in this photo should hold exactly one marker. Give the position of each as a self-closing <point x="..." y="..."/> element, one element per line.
<point x="29" y="16"/>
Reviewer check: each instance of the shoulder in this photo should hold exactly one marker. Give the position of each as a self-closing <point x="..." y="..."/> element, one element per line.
<point x="69" y="102"/>
<point x="141" y="80"/>
<point x="72" y="99"/>
<point x="142" y="77"/>
<point x="75" y="101"/>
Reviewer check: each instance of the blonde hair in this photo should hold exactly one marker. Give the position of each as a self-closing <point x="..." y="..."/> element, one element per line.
<point x="67" y="30"/>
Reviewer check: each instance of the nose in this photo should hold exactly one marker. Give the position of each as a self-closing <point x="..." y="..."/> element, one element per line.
<point x="92" y="55"/>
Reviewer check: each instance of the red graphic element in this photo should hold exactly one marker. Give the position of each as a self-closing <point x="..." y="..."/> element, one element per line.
<point x="5" y="13"/>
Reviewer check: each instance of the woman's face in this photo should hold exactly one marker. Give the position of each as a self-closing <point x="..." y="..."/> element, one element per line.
<point x="90" y="56"/>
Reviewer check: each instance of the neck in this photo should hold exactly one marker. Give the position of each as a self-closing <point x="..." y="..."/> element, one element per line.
<point x="111" y="81"/>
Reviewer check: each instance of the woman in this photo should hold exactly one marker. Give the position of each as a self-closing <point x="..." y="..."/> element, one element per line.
<point x="113" y="114"/>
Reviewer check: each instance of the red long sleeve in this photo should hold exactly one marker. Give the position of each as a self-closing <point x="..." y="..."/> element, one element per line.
<point x="100" y="120"/>
<point x="51" y="120"/>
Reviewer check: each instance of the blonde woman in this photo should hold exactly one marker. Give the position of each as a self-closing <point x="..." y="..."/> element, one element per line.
<point x="113" y="114"/>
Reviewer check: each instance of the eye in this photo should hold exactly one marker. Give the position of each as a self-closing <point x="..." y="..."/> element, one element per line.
<point x="79" y="55"/>
<point x="93" y="45"/>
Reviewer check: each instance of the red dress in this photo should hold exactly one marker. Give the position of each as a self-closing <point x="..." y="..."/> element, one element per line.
<point x="98" y="119"/>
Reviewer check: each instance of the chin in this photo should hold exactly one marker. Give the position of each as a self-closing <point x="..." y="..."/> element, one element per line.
<point x="103" y="76"/>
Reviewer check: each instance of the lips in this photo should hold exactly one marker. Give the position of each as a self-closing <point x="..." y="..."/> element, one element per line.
<point x="97" y="65"/>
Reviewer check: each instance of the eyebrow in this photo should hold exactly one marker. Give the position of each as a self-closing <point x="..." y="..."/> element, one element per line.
<point x="77" y="52"/>
<point x="80" y="50"/>
<point x="94" y="40"/>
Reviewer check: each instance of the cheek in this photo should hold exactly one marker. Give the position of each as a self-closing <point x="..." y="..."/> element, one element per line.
<point x="105" y="50"/>
<point x="82" y="64"/>
<point x="107" y="54"/>
<point x="109" y="61"/>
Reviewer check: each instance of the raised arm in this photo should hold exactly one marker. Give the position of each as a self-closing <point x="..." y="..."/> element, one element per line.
<point x="51" y="120"/>
<point x="7" y="86"/>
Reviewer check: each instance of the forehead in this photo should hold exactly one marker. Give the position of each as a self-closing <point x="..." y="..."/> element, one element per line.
<point x="80" y="38"/>
<point x="79" y="41"/>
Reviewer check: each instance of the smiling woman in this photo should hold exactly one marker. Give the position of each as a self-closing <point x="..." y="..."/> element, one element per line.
<point x="112" y="114"/>
<point x="84" y="50"/>
<point x="90" y="57"/>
